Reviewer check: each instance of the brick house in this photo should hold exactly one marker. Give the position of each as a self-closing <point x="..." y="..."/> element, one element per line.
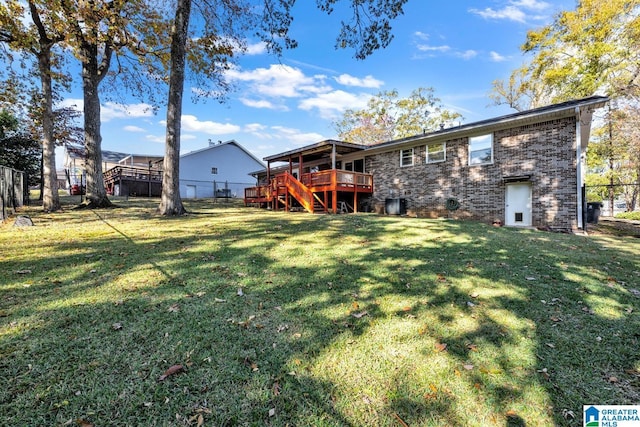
<point x="523" y="169"/>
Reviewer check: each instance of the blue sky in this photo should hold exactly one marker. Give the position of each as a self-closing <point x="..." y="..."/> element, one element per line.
<point x="456" y="47"/>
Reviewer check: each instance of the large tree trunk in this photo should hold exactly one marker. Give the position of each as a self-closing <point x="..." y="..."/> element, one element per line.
<point x="49" y="176"/>
<point x="50" y="199"/>
<point x="96" y="192"/>
<point x="171" y="203"/>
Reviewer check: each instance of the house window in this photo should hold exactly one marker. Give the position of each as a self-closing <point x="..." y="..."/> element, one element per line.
<point x="436" y="152"/>
<point x="481" y="150"/>
<point x="214" y="171"/>
<point x="406" y="157"/>
<point x="348" y="166"/>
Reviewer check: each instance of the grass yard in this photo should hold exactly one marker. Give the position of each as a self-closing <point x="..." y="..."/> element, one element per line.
<point x="320" y="320"/>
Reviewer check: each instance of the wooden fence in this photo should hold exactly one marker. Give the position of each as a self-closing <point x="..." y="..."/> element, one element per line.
<point x="13" y="188"/>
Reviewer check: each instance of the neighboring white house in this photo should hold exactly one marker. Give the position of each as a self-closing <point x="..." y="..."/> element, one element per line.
<point x="220" y="170"/>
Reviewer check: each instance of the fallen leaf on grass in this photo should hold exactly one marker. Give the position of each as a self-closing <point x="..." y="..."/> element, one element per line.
<point x="359" y="315"/>
<point x="23" y="272"/>
<point x="406" y="308"/>
<point x="171" y="371"/>
<point x="272" y="412"/>
<point x="117" y="326"/>
<point x="355" y="305"/>
<point x="468" y="367"/>
<point x="635" y="292"/>
<point x="551" y="345"/>
<point x="173" y="308"/>
<point x="441" y="278"/>
<point x="472" y="347"/>
<point x="276" y="389"/>
<point x="613" y="379"/>
<point x="219" y="300"/>
<point x="441" y="347"/>
<point x="240" y="293"/>
<point x="83" y="423"/>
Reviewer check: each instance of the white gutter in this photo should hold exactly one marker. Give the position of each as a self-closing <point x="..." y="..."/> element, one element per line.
<point x="580" y="175"/>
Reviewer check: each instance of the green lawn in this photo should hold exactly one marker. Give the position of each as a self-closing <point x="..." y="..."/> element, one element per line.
<point x="298" y="319"/>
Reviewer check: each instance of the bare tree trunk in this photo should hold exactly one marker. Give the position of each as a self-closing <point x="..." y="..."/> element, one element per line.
<point x="171" y="203"/>
<point x="96" y="192"/>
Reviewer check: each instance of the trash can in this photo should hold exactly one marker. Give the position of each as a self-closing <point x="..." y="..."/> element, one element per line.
<point x="395" y="206"/>
<point x="593" y="212"/>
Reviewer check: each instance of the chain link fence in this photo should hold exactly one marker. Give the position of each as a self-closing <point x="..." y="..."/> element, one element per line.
<point x="192" y="189"/>
<point x="14" y="191"/>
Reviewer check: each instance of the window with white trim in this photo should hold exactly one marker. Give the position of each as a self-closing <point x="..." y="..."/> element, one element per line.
<point x="481" y="150"/>
<point x="436" y="152"/>
<point x="214" y="171"/>
<point x="406" y="157"/>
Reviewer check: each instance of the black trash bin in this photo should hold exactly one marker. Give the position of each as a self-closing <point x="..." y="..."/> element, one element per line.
<point x="395" y="206"/>
<point x="593" y="212"/>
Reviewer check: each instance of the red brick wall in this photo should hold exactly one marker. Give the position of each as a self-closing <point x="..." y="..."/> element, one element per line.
<point x="545" y="151"/>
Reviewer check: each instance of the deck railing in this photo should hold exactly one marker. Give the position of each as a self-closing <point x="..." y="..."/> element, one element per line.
<point x="132" y="173"/>
<point x="327" y="180"/>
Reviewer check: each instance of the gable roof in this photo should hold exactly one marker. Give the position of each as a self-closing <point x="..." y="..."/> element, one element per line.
<point x="213" y="146"/>
<point x="536" y="115"/>
<point x="317" y="151"/>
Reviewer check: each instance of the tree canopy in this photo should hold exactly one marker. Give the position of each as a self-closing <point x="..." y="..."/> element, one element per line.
<point x="18" y="149"/>
<point x="592" y="49"/>
<point x="388" y="116"/>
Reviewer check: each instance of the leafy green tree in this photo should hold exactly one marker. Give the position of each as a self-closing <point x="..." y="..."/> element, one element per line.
<point x="18" y="149"/>
<point x="592" y="49"/>
<point x="388" y="117"/>
<point x="38" y="41"/>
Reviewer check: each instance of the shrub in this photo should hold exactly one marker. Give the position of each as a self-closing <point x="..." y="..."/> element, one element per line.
<point x="629" y="215"/>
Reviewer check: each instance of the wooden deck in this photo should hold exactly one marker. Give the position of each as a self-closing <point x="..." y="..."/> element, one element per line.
<point x="326" y="191"/>
<point x="133" y="181"/>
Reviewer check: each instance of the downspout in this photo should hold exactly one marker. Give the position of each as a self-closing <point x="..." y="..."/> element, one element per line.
<point x="580" y="173"/>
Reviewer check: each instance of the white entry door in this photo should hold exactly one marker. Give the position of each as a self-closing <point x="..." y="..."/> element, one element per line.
<point x="518" y="205"/>
<point x="191" y="192"/>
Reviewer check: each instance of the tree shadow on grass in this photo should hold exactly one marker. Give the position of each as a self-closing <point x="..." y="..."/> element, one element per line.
<point x="296" y="339"/>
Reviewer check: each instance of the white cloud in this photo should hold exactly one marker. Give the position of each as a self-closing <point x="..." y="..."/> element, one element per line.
<point x="467" y="54"/>
<point x="156" y="138"/>
<point x="496" y="57"/>
<point x="193" y="124"/>
<point x="368" y="81"/>
<point x="296" y="137"/>
<point x="428" y="48"/>
<point x="421" y="35"/>
<point x="256" y="48"/>
<point x="133" y="129"/>
<point x="280" y="81"/>
<point x="262" y="103"/>
<point x="282" y="135"/>
<point x="112" y="110"/>
<point x="514" y="11"/>
<point x="277" y="80"/>
<point x="333" y="103"/>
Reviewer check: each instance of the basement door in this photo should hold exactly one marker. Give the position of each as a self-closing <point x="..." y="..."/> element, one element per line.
<point x="518" y="205"/>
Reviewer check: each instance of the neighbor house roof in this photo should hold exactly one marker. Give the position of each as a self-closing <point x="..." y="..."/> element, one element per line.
<point x="213" y="146"/>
